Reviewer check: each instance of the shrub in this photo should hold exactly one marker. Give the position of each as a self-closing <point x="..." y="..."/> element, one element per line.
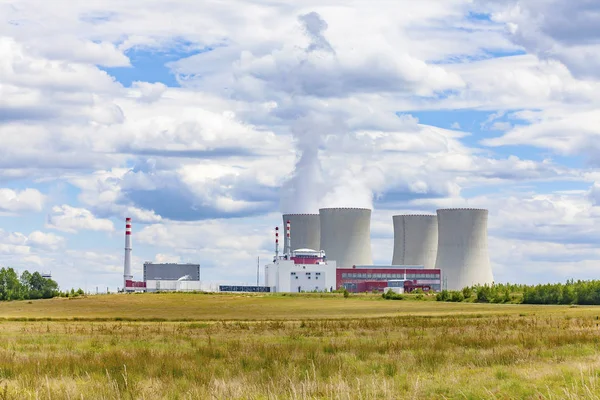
<point x="442" y="296"/>
<point x="467" y="292"/>
<point x="389" y="295"/>
<point x="346" y="293"/>
<point x="457" y="296"/>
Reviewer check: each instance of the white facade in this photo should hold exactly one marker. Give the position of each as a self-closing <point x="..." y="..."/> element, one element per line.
<point x="305" y="231"/>
<point x="179" y="286"/>
<point x="415" y="240"/>
<point x="284" y="276"/>
<point x="462" y="252"/>
<point x="346" y="235"/>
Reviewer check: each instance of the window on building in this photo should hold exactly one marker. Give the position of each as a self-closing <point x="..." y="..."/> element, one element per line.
<point x="344" y="275"/>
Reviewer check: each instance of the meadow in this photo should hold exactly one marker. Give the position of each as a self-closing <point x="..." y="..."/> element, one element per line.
<point x="200" y="346"/>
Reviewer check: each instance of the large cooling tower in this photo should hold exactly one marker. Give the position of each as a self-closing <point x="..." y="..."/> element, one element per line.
<point x="415" y="240"/>
<point x="305" y="231"/>
<point x="346" y="236"/>
<point x="463" y="248"/>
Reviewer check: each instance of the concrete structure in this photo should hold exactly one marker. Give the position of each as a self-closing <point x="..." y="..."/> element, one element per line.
<point x="171" y="277"/>
<point x="127" y="276"/>
<point x="366" y="278"/>
<point x="462" y="254"/>
<point x="305" y="231"/>
<point x="346" y="235"/>
<point x="305" y="271"/>
<point x="415" y="240"/>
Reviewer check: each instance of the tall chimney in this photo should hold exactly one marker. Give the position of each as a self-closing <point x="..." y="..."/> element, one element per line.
<point x="276" y="242"/>
<point x="127" y="267"/>
<point x="289" y="246"/>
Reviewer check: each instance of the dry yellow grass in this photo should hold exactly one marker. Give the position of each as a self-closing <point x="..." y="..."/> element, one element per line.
<point x="178" y="306"/>
<point x="300" y="347"/>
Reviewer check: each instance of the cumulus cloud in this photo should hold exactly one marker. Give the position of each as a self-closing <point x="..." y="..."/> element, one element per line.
<point x="15" y="201"/>
<point x="45" y="240"/>
<point x="72" y="220"/>
<point x="304" y="105"/>
<point x="557" y="29"/>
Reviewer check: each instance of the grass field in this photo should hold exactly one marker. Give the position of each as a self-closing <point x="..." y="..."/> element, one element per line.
<point x="185" y="346"/>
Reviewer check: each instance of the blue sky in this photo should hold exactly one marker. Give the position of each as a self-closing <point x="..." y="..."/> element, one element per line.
<point x="192" y="118"/>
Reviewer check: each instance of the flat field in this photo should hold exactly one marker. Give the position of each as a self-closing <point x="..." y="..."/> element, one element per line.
<point x="199" y="346"/>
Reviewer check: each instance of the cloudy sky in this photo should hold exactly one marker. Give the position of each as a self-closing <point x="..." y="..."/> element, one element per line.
<point x="204" y="120"/>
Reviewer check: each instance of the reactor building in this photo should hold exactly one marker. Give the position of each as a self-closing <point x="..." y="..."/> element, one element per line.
<point x="462" y="254"/>
<point x="305" y="234"/>
<point x="346" y="235"/>
<point x="299" y="270"/>
<point x="415" y="240"/>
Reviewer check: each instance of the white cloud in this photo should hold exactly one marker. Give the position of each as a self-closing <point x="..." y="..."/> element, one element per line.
<point x="15" y="201"/>
<point x="70" y="219"/>
<point x="167" y="258"/>
<point x="325" y="78"/>
<point x="45" y="240"/>
<point x="557" y="29"/>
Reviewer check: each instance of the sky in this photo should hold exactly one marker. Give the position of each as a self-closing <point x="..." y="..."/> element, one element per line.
<point x="203" y="121"/>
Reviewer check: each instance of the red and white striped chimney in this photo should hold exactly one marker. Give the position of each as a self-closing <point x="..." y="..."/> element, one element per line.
<point x="288" y="238"/>
<point x="276" y="242"/>
<point x="127" y="267"/>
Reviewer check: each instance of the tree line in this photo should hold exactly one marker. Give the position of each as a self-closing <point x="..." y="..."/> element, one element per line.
<point x="27" y="286"/>
<point x="571" y="292"/>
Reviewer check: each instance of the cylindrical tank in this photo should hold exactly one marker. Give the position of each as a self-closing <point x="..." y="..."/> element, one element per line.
<point x="415" y="240"/>
<point x="462" y="252"/>
<point x="305" y="231"/>
<point x="346" y="236"/>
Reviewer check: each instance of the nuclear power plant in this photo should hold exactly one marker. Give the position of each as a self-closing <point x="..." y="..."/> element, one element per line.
<point x="306" y="234"/>
<point x="332" y="250"/>
<point x="462" y="253"/>
<point x="346" y="235"/>
<point x="431" y="252"/>
<point x="415" y="240"/>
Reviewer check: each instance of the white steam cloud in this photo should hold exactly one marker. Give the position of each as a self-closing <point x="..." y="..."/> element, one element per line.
<point x="309" y="187"/>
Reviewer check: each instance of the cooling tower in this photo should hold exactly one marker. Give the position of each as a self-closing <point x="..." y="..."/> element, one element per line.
<point x="415" y="240"/>
<point x="305" y="231"/>
<point x="462" y="252"/>
<point x="346" y="236"/>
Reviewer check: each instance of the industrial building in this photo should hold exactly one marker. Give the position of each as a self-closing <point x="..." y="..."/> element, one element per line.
<point x="171" y="277"/>
<point x="304" y="270"/>
<point x="306" y="232"/>
<point x="158" y="277"/>
<point x="415" y="240"/>
<point x="299" y="270"/>
<point x="346" y="235"/>
<point x="367" y="278"/>
<point x="462" y="254"/>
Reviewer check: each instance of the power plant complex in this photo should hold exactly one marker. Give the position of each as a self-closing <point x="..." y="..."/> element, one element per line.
<point x="332" y="250"/>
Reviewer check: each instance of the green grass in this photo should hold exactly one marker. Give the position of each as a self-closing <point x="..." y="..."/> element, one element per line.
<point x="299" y="347"/>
